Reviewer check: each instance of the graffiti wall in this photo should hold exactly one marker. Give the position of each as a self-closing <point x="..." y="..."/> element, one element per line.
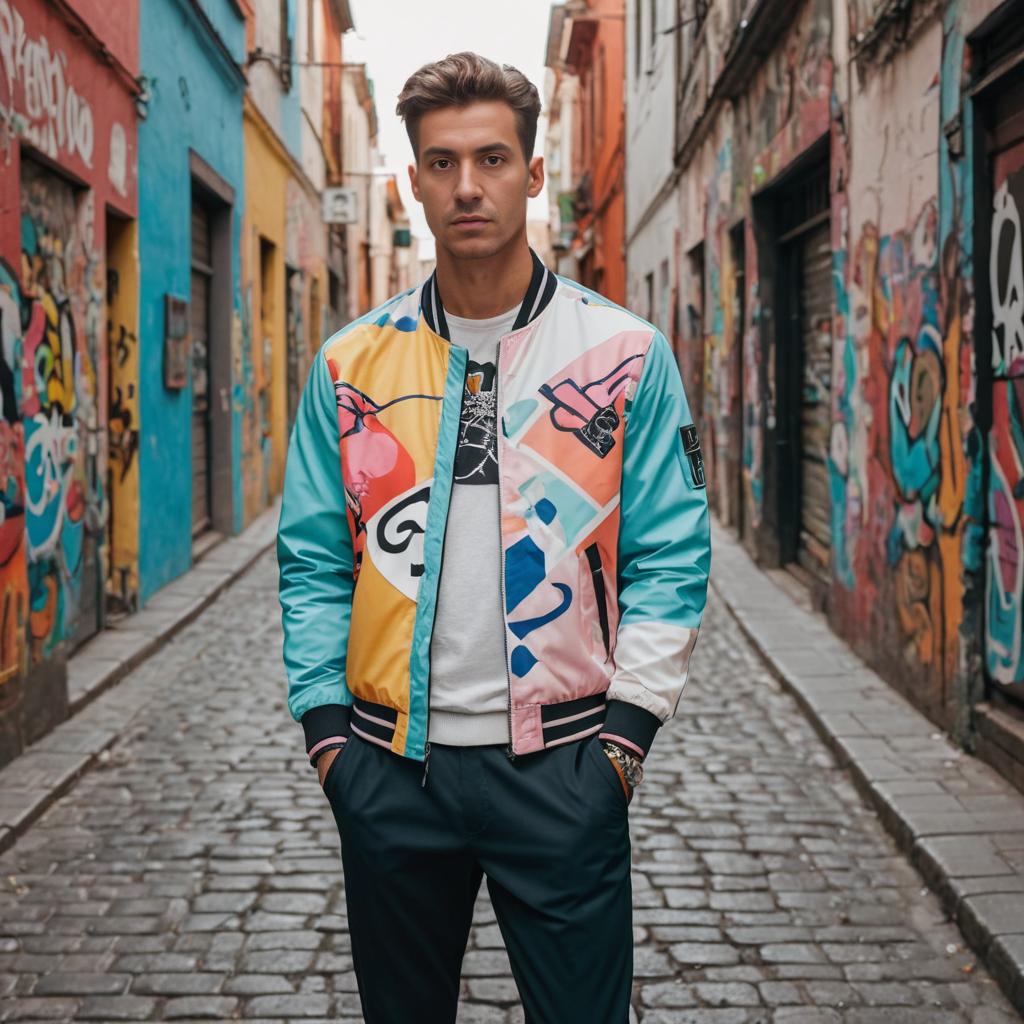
<point x="897" y="448"/>
<point x="123" y="416"/>
<point x="56" y="98"/>
<point x="57" y="386"/>
<point x="926" y="501"/>
<point x="783" y="112"/>
<point x="928" y="548"/>
<point x="14" y="602"/>
<point x="60" y="106"/>
<point x="1004" y="574"/>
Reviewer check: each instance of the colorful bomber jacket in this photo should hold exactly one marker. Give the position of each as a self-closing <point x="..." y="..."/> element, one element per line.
<point x="603" y="515"/>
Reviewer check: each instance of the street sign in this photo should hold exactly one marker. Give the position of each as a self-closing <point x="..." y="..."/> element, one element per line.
<point x="341" y="206"/>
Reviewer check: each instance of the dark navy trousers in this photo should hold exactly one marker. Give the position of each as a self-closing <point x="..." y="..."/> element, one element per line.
<point x="550" y="832"/>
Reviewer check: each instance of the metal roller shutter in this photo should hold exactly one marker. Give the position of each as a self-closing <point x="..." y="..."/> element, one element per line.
<point x="202" y="272"/>
<point x="816" y="400"/>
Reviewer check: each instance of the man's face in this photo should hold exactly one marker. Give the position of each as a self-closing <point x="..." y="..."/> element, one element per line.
<point x="472" y="178"/>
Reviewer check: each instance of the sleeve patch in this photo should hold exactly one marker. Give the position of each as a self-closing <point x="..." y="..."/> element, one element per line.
<point x="691" y="449"/>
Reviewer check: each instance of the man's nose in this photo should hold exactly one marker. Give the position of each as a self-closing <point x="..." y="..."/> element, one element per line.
<point x="467" y="189"/>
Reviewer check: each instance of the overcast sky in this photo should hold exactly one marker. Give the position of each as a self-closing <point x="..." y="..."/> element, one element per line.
<point x="395" y="37"/>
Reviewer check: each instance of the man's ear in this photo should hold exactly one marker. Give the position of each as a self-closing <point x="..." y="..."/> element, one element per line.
<point x="415" y="183"/>
<point x="536" y="168"/>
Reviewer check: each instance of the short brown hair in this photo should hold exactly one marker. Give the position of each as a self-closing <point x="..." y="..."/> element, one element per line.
<point x="464" y="78"/>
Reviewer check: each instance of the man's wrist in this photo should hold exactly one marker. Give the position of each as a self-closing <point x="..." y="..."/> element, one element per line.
<point x="629" y="766"/>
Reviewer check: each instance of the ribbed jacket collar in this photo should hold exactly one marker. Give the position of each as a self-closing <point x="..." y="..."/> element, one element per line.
<point x="539" y="293"/>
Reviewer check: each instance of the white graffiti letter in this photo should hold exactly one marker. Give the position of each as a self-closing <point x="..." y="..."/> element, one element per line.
<point x="1007" y="284"/>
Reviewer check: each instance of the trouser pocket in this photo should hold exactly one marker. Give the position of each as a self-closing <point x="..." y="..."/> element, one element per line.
<point x="605" y="768"/>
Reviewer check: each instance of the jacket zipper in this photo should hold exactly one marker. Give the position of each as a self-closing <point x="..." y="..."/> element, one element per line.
<point x="440" y="567"/>
<point x="597" y="584"/>
<point x="509" y="751"/>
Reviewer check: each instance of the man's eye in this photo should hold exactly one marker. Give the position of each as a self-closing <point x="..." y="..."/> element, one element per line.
<point x="437" y="163"/>
<point x="495" y="157"/>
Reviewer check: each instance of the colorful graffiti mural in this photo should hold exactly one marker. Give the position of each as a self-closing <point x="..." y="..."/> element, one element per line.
<point x="926" y="509"/>
<point x="785" y="110"/>
<point x="1004" y="604"/>
<point x="13" y="572"/>
<point x="57" y="390"/>
<point x="901" y="470"/>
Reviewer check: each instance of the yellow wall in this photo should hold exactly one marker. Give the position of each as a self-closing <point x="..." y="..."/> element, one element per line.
<point x="266" y="176"/>
<point x="123" y="458"/>
<point x="282" y="209"/>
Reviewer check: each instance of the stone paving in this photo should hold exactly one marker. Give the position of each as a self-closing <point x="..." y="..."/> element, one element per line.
<point x="194" y="872"/>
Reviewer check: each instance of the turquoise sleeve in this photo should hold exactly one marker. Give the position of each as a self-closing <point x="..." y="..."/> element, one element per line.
<point x="314" y="553"/>
<point x="665" y="531"/>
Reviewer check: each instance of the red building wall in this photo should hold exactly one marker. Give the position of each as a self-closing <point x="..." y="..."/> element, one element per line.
<point x="67" y="163"/>
<point x="597" y="55"/>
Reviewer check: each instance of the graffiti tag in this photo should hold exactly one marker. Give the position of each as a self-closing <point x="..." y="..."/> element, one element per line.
<point x="1006" y="278"/>
<point x="56" y="116"/>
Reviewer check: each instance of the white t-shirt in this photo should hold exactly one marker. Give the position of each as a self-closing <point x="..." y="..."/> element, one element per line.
<point x="468" y="677"/>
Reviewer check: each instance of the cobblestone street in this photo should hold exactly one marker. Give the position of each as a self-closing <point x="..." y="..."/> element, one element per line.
<point x="195" y="873"/>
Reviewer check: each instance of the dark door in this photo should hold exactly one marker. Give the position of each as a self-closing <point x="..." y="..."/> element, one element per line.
<point x="1004" y="563"/>
<point x="293" y="339"/>
<point x="202" y="275"/>
<point x="815" y="539"/>
<point x="804" y="378"/>
<point x="734" y="480"/>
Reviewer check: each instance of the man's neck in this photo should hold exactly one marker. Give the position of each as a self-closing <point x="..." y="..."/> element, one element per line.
<point x="482" y="288"/>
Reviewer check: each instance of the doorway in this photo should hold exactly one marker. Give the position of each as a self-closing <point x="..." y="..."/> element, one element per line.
<point x="122" y="538"/>
<point x="61" y="409"/>
<point x="295" y="345"/>
<point x="804" y="377"/>
<point x="734" y="414"/>
<point x="199" y="309"/>
<point x="1001" y="270"/>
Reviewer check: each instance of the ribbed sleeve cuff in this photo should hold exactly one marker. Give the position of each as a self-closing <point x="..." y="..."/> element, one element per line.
<point x="630" y="726"/>
<point x="324" y="724"/>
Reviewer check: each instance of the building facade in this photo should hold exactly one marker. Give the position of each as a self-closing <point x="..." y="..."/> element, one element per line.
<point x="652" y="208"/>
<point x="166" y="277"/>
<point x="586" y="59"/>
<point x="359" y="145"/>
<point x="69" y="202"/>
<point x="849" y="201"/>
<point x="192" y="194"/>
<point x="293" y="266"/>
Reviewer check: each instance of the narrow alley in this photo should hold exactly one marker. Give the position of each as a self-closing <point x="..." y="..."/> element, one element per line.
<point x="194" y="874"/>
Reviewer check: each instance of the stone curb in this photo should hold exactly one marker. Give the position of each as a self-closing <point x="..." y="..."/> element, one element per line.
<point x="48" y="768"/>
<point x="960" y="823"/>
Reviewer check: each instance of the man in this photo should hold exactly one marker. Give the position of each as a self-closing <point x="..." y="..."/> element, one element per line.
<point x="494" y="552"/>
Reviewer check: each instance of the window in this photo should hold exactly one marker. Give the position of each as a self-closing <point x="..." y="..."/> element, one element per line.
<point x="695" y="306"/>
<point x="285" y="65"/>
<point x="592" y="88"/>
<point x="333" y="291"/>
<point x="649" y="280"/>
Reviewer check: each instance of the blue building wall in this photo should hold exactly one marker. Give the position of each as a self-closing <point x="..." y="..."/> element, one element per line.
<point x="196" y="105"/>
<point x="291" y="105"/>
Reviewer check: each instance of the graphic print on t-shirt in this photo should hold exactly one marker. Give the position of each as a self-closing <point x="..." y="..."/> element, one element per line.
<point x="476" y="461"/>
